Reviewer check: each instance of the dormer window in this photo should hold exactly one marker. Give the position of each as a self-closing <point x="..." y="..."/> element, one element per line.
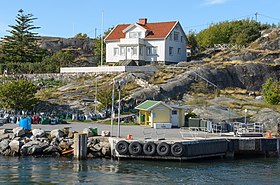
<point x="135" y="34"/>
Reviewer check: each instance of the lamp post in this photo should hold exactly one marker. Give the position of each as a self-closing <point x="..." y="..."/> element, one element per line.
<point x="112" y="110"/>
<point x="120" y="82"/>
<point x="245" y="121"/>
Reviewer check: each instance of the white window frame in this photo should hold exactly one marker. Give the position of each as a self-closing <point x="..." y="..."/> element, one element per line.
<point x="179" y="51"/>
<point x="116" y="51"/>
<point x="122" y="51"/>
<point x="141" y="48"/>
<point x="151" y="50"/>
<point x="171" y="51"/>
<point x="176" y="36"/>
<point x="134" y="50"/>
<point x="134" y="34"/>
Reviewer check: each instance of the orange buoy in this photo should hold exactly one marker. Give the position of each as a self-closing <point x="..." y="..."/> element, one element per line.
<point x="129" y="137"/>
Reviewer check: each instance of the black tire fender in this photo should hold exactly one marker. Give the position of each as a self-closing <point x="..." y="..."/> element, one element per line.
<point x="149" y="148"/>
<point x="122" y="147"/>
<point x="177" y="149"/>
<point x="163" y="149"/>
<point x="135" y="148"/>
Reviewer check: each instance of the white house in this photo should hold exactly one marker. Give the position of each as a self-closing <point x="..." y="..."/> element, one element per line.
<point x="147" y="42"/>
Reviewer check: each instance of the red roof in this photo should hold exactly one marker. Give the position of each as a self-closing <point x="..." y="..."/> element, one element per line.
<point x="156" y="30"/>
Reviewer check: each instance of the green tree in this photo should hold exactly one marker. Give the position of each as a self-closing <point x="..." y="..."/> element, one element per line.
<point x="60" y="59"/>
<point x="271" y="91"/>
<point x="192" y="42"/>
<point x="21" y="45"/>
<point x="104" y="96"/>
<point x="241" y="32"/>
<point x="81" y="36"/>
<point x="97" y="46"/>
<point x="18" y="95"/>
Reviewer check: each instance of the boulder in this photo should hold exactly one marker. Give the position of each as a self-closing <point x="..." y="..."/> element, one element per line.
<point x="88" y="132"/>
<point x="4" y="144"/>
<point x="18" y="131"/>
<point x="270" y="119"/>
<point x="31" y="148"/>
<point x="57" y="133"/>
<point x="96" y="148"/>
<point x="38" y="133"/>
<point x="106" y="149"/>
<point x="35" y="150"/>
<point x="64" y="145"/>
<point x="3" y="131"/>
<point x="50" y="150"/>
<point x="15" y="146"/>
<point x="105" y="133"/>
<point x="6" y="136"/>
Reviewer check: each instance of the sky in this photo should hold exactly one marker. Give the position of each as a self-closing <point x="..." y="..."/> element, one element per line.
<point x="66" y="18"/>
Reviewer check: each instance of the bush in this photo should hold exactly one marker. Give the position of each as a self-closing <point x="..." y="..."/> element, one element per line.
<point x="18" y="95"/>
<point x="271" y="92"/>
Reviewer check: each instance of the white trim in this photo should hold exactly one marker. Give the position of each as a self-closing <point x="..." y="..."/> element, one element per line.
<point x="131" y="26"/>
<point x="171" y="30"/>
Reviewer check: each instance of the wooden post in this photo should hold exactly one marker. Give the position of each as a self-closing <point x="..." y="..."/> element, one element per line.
<point x="80" y="146"/>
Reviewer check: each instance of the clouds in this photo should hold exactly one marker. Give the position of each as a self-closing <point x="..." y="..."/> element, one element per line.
<point x="214" y="2"/>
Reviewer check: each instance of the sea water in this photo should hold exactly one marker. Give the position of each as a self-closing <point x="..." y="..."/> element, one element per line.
<point x="31" y="170"/>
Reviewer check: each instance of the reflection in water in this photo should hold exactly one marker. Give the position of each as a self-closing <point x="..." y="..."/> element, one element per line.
<point x="29" y="170"/>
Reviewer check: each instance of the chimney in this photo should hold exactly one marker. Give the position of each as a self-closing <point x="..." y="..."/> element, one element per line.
<point x="143" y="21"/>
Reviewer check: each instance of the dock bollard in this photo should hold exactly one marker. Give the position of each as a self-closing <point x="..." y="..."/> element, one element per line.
<point x="80" y="146"/>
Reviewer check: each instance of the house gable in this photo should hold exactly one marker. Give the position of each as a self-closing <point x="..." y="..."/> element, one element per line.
<point x="135" y="31"/>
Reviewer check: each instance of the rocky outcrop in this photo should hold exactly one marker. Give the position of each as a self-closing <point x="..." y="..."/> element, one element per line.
<point x="55" y="44"/>
<point x="38" y="143"/>
<point x="248" y="76"/>
<point x="81" y="48"/>
<point x="270" y="119"/>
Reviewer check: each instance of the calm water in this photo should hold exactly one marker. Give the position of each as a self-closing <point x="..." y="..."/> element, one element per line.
<point x="65" y="171"/>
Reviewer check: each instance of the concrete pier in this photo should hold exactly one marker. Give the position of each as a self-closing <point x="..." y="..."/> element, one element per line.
<point x="80" y="146"/>
<point x="195" y="149"/>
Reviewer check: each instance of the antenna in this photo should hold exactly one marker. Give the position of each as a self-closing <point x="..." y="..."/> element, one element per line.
<point x="256" y="15"/>
<point x="102" y="20"/>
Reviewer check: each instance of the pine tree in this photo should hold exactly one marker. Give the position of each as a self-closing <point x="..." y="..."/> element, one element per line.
<point x="21" y="45"/>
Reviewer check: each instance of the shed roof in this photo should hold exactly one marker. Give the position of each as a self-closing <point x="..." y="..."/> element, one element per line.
<point x="149" y="104"/>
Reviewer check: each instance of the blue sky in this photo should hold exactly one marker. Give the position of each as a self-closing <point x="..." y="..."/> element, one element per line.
<point x="65" y="18"/>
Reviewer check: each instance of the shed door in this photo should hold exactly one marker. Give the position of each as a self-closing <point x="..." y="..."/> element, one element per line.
<point x="175" y="118"/>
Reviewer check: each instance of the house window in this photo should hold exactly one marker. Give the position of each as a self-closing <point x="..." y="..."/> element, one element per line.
<point x="151" y="50"/>
<point x="134" y="34"/>
<point x="170" y="50"/>
<point x="134" y="50"/>
<point x="141" y="50"/>
<point x="122" y="50"/>
<point x="116" y="51"/>
<point x="176" y="36"/>
<point x="182" y="39"/>
<point x="154" y="115"/>
<point x="179" y="51"/>
<point x="170" y="37"/>
<point x="174" y="112"/>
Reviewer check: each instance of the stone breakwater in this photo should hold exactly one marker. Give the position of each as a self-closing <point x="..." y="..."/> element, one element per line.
<point x="37" y="142"/>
